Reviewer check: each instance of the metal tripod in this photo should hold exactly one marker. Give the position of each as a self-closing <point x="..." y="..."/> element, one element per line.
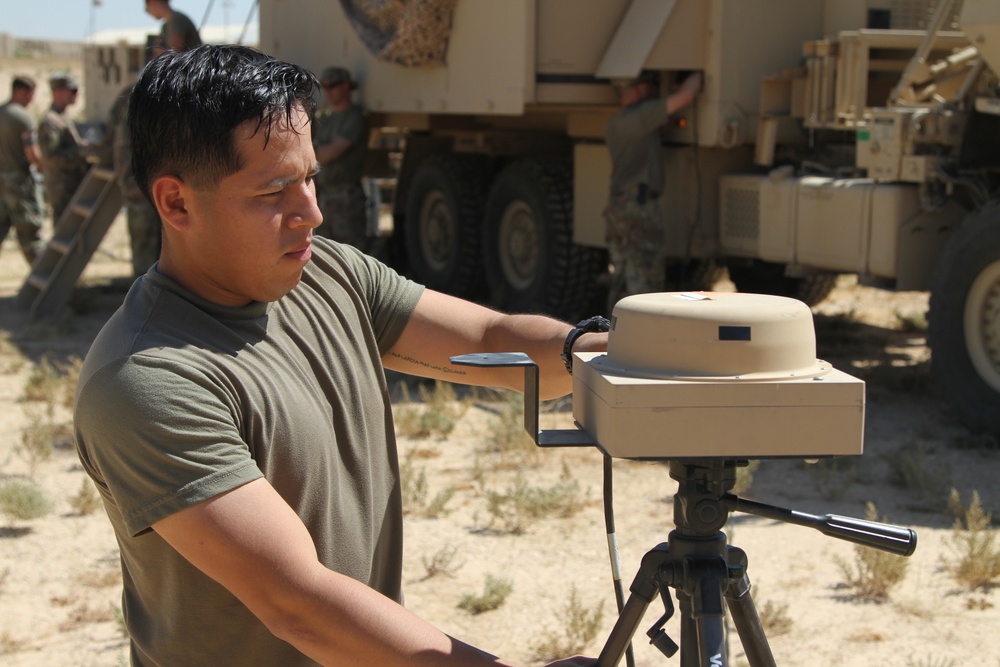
<point x="695" y="560"/>
<point x="704" y="570"/>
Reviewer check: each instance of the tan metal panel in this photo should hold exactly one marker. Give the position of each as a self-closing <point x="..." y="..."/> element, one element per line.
<point x="574" y="34"/>
<point x="834" y="217"/>
<point x="684" y="38"/>
<point x="591" y="176"/>
<point x="744" y="40"/>
<point x="980" y="19"/>
<point x="490" y="60"/>
<point x="892" y="207"/>
<point x="634" y="39"/>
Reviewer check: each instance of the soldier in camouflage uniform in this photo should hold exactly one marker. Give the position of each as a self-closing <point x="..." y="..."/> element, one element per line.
<point x="635" y="230"/>
<point x="340" y="137"/>
<point x="20" y="200"/>
<point x="143" y="220"/>
<point x="62" y="148"/>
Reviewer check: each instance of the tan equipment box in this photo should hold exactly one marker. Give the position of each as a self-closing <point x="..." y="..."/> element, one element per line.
<point x="715" y="375"/>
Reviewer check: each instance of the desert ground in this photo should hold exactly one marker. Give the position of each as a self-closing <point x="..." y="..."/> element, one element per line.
<point x="487" y="512"/>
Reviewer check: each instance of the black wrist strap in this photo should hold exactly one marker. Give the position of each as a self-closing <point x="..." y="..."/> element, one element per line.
<point x="590" y="325"/>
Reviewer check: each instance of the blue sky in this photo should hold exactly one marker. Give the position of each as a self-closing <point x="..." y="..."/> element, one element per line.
<point x="74" y="20"/>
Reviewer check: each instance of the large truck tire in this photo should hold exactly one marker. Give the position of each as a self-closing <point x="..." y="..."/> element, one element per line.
<point x="964" y="320"/>
<point x="768" y="278"/>
<point x="531" y="262"/>
<point x="444" y="209"/>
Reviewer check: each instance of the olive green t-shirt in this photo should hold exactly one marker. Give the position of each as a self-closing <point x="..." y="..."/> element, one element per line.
<point x="17" y="129"/>
<point x="180" y="400"/>
<point x="633" y="138"/>
<point x="349" y="124"/>
<point x="180" y="24"/>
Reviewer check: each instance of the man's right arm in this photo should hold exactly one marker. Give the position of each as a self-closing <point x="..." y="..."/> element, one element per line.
<point x="252" y="542"/>
<point x="332" y="150"/>
<point x="684" y="95"/>
<point x="31" y="152"/>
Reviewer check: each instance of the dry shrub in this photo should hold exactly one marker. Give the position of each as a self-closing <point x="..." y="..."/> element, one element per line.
<point x="438" y="415"/>
<point x="441" y="562"/>
<point x="520" y="503"/>
<point x="87" y="499"/>
<point x="874" y="573"/>
<point x="976" y="561"/>
<point x="579" y="629"/>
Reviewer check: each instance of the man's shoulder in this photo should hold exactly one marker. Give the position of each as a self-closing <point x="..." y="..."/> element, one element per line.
<point x="17" y="115"/>
<point x="52" y="119"/>
<point x="181" y="17"/>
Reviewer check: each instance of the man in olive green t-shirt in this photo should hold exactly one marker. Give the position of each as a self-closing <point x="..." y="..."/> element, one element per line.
<point x="21" y="205"/>
<point x="340" y="137"/>
<point x="234" y="412"/>
<point x="179" y="32"/>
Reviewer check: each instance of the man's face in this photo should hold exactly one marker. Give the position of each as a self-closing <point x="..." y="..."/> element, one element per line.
<point x="336" y="92"/>
<point x="250" y="236"/>
<point x="643" y="90"/>
<point x="63" y="97"/>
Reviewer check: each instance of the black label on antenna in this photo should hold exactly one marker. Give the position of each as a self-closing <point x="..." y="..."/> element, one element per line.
<point x="734" y="333"/>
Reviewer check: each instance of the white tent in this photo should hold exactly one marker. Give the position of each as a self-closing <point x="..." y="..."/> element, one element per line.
<point x="212" y="34"/>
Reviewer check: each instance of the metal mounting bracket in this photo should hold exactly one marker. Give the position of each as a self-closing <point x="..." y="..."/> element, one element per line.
<point x="549" y="438"/>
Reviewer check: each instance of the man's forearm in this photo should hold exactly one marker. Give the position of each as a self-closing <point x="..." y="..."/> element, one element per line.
<point x="355" y="625"/>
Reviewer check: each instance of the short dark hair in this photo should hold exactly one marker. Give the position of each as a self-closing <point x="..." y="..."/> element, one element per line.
<point x="22" y="82"/>
<point x="186" y="106"/>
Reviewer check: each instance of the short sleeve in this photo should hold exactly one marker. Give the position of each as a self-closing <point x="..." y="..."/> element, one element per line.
<point x="161" y="437"/>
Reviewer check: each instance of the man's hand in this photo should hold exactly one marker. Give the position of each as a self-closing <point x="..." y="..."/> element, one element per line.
<point x="684" y="95"/>
<point x="693" y="83"/>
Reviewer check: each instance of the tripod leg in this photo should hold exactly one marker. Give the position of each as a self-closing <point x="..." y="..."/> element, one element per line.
<point x="703" y="632"/>
<point x="712" y="641"/>
<point x="644" y="589"/>
<point x="744" y="613"/>
<point x="621" y="634"/>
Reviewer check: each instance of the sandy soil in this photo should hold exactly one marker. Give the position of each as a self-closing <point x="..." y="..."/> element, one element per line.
<point x="60" y="588"/>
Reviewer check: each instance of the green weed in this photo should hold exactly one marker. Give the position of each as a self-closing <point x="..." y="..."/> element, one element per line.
<point x="495" y="592"/>
<point x="23" y="501"/>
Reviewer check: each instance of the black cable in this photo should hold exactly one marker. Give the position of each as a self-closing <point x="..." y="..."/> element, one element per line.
<point x="616" y="570"/>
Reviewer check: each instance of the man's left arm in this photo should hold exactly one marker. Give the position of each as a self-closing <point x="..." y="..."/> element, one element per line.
<point x="354" y="132"/>
<point x="443" y="326"/>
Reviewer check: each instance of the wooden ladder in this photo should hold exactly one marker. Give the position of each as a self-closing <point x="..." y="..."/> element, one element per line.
<point x="77" y="235"/>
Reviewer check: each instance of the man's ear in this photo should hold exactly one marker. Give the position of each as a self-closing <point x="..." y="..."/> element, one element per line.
<point x="170" y="195"/>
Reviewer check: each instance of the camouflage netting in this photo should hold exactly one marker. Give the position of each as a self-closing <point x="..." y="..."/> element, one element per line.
<point x="405" y="32"/>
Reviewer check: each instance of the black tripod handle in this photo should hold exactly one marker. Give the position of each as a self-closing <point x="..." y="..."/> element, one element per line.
<point x="894" y="539"/>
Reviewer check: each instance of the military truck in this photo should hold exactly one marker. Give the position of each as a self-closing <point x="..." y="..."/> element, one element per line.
<point x="831" y="136"/>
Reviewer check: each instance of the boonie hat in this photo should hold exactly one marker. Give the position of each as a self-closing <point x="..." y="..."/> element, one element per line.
<point x="331" y="76"/>
<point x="64" y="80"/>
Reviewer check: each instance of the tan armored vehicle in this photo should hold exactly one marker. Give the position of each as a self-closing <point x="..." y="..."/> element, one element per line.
<point x="832" y="136"/>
